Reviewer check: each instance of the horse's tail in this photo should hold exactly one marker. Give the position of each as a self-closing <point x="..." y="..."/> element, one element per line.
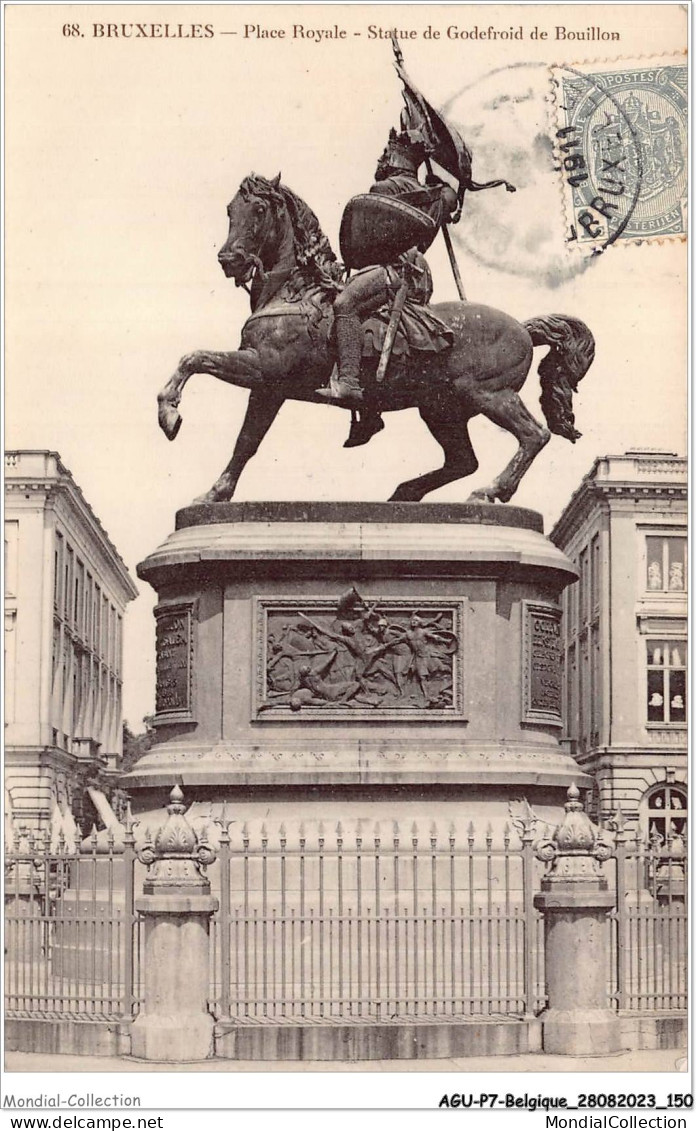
<point x="566" y="363"/>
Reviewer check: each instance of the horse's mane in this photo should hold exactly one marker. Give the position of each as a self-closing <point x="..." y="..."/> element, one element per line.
<point x="312" y="248"/>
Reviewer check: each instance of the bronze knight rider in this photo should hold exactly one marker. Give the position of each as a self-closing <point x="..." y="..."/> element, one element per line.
<point x="368" y="290"/>
<point x="388" y="244"/>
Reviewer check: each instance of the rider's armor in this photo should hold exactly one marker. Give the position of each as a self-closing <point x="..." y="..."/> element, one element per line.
<point x="373" y="287"/>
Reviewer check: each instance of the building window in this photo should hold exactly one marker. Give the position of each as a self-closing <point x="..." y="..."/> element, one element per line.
<point x="112" y="637"/>
<point x="666" y="569"/>
<point x="67" y="588"/>
<point x="76" y="697"/>
<point x="584" y="588"/>
<point x="572" y="699"/>
<point x="96" y="620"/>
<point x="105" y="628"/>
<point x="666" y="689"/>
<point x="585" y="694"/>
<point x="11" y="557"/>
<point x="89" y="609"/>
<point x="592" y="802"/>
<point x="79" y="590"/>
<point x="572" y="592"/>
<point x="10" y="652"/>
<point x="596" y="573"/>
<point x="58" y="573"/>
<point x="596" y="679"/>
<point x="55" y="652"/>
<point x="119" y="645"/>
<point x="667" y="813"/>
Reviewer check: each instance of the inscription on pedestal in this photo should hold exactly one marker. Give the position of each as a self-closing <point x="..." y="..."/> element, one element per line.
<point x="174" y="672"/>
<point x="358" y="657"/>
<point x="541" y="664"/>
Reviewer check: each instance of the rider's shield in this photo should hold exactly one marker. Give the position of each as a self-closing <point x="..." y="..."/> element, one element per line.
<point x="378" y="229"/>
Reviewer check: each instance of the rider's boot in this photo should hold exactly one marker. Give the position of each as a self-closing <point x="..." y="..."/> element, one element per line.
<point x="363" y="427"/>
<point x="349" y="341"/>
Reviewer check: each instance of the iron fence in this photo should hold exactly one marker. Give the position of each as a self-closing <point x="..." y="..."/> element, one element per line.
<point x="339" y="926"/>
<point x="650" y="925"/>
<point x="69" y="931"/>
<point x="357" y="928"/>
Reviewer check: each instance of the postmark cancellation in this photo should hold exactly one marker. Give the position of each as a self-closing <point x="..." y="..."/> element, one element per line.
<point x="622" y="150"/>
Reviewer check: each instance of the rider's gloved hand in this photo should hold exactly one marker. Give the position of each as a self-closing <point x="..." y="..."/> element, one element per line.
<point x="449" y="199"/>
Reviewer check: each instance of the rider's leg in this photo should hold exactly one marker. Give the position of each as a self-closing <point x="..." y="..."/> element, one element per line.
<point x="349" y="342"/>
<point x="361" y="296"/>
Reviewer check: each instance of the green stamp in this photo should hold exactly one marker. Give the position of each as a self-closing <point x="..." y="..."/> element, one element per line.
<point x="622" y="148"/>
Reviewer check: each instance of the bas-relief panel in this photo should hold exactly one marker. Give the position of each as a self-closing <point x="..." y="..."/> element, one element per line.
<point x="356" y="657"/>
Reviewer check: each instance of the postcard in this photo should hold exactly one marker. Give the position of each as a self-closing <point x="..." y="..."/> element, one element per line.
<point x="346" y="582"/>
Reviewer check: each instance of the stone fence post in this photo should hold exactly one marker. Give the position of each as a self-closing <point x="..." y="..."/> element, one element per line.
<point x="575" y="900"/>
<point x="174" y="1023"/>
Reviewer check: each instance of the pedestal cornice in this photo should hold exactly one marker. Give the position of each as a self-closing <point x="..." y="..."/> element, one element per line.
<point x="440" y="539"/>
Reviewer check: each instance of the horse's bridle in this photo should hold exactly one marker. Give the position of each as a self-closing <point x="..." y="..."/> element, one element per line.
<point x="274" y="198"/>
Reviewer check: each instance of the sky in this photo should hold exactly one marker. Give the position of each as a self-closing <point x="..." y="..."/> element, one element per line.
<point x="121" y="156"/>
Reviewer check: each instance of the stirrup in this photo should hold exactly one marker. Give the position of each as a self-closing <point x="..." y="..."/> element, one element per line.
<point x="341" y="393"/>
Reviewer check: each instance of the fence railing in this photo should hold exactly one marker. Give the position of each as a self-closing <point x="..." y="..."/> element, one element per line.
<point x="650" y="928"/>
<point x="69" y="929"/>
<point x="334" y="927"/>
<point x="339" y="926"/>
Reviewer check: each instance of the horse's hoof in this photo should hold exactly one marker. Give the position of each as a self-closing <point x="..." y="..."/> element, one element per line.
<point x="481" y="497"/>
<point x="401" y="496"/>
<point x="169" y="421"/>
<point x="218" y="493"/>
<point x="211" y="496"/>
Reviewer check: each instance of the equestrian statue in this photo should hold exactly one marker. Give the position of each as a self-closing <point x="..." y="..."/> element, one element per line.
<point x="363" y="335"/>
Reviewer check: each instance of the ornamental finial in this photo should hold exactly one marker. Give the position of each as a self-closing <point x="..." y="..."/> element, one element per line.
<point x="575" y="834"/>
<point x="573" y="801"/>
<point x="176" y="800"/>
<point x="576" y="849"/>
<point x="177" y="855"/>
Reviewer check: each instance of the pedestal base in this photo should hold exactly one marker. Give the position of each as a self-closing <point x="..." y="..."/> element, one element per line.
<point x="179" y="1037"/>
<point x="360" y="654"/>
<point x="581" y="1032"/>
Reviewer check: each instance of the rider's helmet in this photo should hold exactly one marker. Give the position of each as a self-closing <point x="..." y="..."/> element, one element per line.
<point x="404" y="153"/>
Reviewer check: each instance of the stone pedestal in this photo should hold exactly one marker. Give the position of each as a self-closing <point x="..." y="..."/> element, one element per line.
<point x="575" y="902"/>
<point x="174" y="1023"/>
<point x="576" y="933"/>
<point x="357" y="661"/>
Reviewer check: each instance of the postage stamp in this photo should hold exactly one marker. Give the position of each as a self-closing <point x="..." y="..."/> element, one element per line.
<point x="622" y="150"/>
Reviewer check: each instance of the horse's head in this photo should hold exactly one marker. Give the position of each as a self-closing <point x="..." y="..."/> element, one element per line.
<point x="258" y="220"/>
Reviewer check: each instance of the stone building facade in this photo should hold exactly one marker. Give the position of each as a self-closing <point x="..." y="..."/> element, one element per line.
<point x="66" y="592"/>
<point x="625" y="637"/>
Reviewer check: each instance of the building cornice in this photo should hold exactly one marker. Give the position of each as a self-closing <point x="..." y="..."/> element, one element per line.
<point x="594" y="492"/>
<point x="632" y="757"/>
<point x="56" y="484"/>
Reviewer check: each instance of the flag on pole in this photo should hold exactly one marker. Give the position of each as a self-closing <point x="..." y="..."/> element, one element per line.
<point x="443" y="141"/>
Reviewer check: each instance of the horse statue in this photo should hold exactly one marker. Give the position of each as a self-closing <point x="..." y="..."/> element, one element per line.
<point x="277" y="250"/>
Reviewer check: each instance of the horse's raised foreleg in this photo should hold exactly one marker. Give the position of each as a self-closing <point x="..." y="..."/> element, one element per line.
<point x="240" y="367"/>
<point x="507" y="410"/>
<point x="449" y="425"/>
<point x="262" y="409"/>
